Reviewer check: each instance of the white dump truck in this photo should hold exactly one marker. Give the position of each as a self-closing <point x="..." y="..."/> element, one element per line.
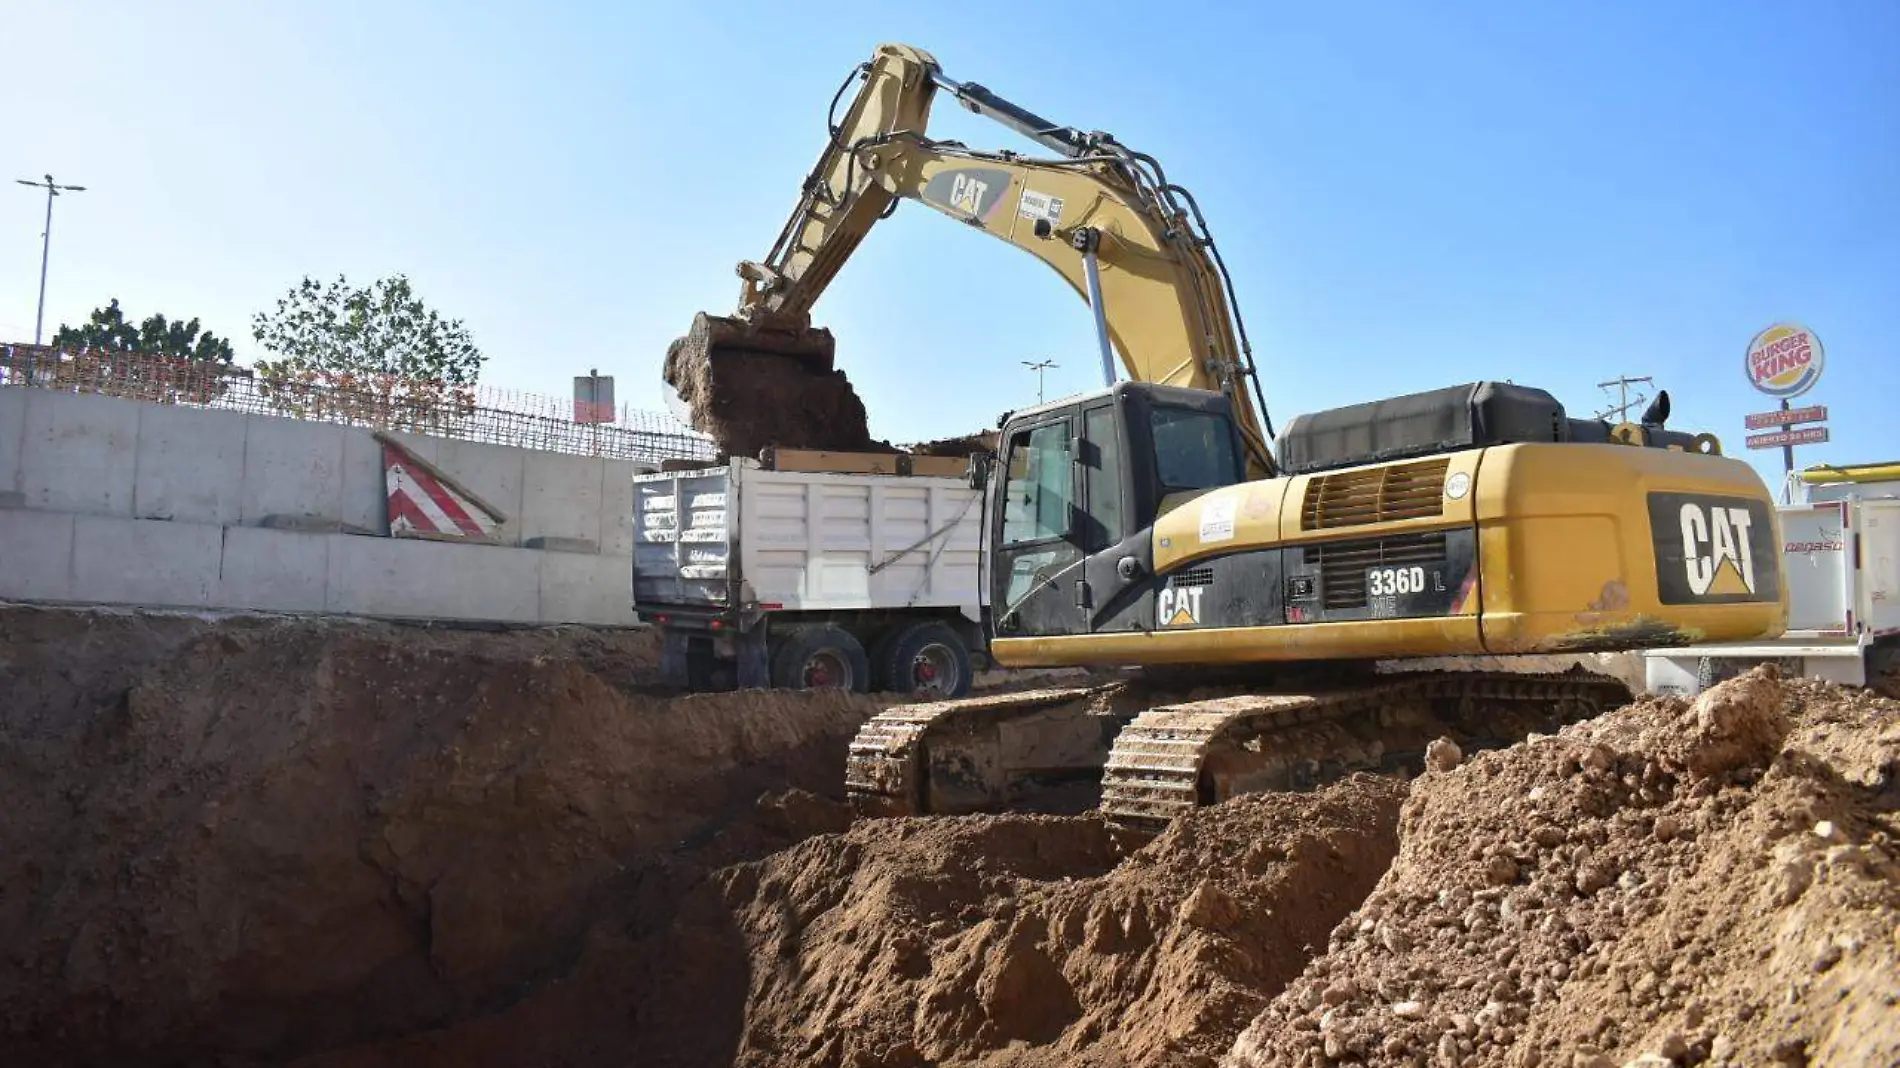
<point x="807" y="569"/>
<point x="1840" y="561"/>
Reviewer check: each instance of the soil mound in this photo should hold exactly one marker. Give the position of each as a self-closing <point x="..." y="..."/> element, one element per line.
<point x="1019" y="940"/>
<point x="967" y="445"/>
<point x="249" y="840"/>
<point x="747" y="398"/>
<point x="1708" y="882"/>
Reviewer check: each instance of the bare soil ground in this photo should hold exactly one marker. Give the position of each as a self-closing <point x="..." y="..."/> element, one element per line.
<point x="255" y="840"/>
<point x="271" y="842"/>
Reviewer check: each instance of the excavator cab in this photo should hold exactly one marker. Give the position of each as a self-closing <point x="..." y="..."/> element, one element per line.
<point x="1079" y="485"/>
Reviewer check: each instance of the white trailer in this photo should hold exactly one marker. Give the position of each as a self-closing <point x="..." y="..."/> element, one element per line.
<point x="1840" y="561"/>
<point x="758" y="575"/>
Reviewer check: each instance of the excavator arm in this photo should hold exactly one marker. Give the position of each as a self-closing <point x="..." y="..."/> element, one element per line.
<point x="1162" y="298"/>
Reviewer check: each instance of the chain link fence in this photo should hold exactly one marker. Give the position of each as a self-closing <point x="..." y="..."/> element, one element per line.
<point x="379" y="402"/>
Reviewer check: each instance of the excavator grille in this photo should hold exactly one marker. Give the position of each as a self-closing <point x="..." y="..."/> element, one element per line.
<point x="1375" y="495"/>
<point x="1342" y="565"/>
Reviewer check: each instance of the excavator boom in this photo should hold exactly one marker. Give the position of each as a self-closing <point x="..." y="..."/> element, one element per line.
<point x="1103" y="217"/>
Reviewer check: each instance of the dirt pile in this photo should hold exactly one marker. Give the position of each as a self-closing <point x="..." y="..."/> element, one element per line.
<point x="1673" y="883"/>
<point x="967" y="445"/>
<point x="748" y="397"/>
<point x="1019" y="940"/>
<point x="252" y="840"/>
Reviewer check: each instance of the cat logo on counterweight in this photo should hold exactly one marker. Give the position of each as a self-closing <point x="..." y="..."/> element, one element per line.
<point x="1712" y="550"/>
<point x="1715" y="550"/>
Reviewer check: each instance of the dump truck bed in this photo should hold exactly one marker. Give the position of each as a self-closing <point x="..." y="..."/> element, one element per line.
<point x="743" y="540"/>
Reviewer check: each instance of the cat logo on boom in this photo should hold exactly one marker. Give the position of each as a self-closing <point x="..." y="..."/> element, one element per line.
<point x="967" y="192"/>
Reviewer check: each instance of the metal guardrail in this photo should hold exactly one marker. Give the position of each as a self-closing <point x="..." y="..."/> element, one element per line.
<point x="377" y="402"/>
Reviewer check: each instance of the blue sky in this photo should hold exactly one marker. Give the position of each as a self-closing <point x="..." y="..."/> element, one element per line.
<point x="1410" y="195"/>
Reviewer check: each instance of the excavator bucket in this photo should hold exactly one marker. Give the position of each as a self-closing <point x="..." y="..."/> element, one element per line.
<point x="750" y="387"/>
<point x="722" y="334"/>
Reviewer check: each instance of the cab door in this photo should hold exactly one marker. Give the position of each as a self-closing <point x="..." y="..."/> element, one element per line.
<point x="1036" y="575"/>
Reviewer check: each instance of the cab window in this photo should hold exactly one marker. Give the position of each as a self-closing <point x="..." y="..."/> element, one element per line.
<point x="1039" y="489"/>
<point x="1193" y="450"/>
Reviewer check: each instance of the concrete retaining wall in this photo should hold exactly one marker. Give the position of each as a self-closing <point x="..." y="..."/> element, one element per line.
<point x="113" y="501"/>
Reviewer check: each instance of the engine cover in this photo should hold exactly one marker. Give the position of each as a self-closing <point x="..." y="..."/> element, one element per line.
<point x="1421" y="424"/>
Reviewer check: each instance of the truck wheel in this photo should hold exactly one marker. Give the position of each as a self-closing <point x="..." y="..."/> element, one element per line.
<point x="822" y="657"/>
<point x="926" y="658"/>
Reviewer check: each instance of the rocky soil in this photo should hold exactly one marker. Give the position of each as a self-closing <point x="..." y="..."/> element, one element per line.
<point x="1675" y="883"/>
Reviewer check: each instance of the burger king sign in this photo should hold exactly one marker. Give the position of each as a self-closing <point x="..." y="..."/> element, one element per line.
<point x="1784" y="360"/>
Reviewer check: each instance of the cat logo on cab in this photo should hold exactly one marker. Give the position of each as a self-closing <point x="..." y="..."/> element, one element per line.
<point x="1713" y="550"/>
<point x="1179" y="607"/>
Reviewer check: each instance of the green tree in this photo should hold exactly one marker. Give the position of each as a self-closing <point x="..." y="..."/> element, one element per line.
<point x="108" y="330"/>
<point x="374" y="354"/>
<point x="162" y="360"/>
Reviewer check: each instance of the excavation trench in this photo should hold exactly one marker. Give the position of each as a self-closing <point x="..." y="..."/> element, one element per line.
<point x="272" y="842"/>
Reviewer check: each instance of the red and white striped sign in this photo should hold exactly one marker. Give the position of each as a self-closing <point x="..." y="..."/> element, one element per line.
<point x="422" y="504"/>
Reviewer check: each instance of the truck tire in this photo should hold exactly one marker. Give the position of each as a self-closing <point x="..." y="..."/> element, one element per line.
<point x="821" y="657"/>
<point x="925" y="658"/>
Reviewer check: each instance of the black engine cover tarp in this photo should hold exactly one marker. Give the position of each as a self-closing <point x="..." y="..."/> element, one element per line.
<point x="1421" y="424"/>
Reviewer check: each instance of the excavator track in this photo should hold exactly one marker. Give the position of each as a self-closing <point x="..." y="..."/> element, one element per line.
<point x="1175" y="758"/>
<point x="887" y="772"/>
<point x="1159" y="752"/>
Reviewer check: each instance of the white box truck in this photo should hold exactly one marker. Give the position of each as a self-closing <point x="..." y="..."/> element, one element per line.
<point x="1840" y="561"/>
<point x="759" y="575"/>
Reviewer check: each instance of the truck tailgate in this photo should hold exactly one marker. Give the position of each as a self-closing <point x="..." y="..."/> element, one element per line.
<point x="1816" y="565"/>
<point x="682" y="538"/>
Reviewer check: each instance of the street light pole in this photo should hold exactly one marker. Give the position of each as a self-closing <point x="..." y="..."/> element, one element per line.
<point x="46" y="242"/>
<point x="1039" y="368"/>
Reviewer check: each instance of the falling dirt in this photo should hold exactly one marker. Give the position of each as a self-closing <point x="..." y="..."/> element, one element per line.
<point x="1689" y="883"/>
<point x="252" y="842"/>
<point x="748" y="397"/>
<point x="950" y="941"/>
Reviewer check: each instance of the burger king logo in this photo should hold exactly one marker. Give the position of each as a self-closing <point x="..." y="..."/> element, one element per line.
<point x="1784" y="360"/>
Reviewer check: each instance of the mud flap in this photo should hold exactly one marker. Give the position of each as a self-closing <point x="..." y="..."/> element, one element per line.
<point x="755" y="667"/>
<point x="673" y="655"/>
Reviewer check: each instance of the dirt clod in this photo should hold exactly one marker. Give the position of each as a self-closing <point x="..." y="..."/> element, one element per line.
<point x="1443" y="754"/>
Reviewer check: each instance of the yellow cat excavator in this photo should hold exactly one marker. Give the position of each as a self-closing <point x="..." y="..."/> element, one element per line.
<point x="1266" y="595"/>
